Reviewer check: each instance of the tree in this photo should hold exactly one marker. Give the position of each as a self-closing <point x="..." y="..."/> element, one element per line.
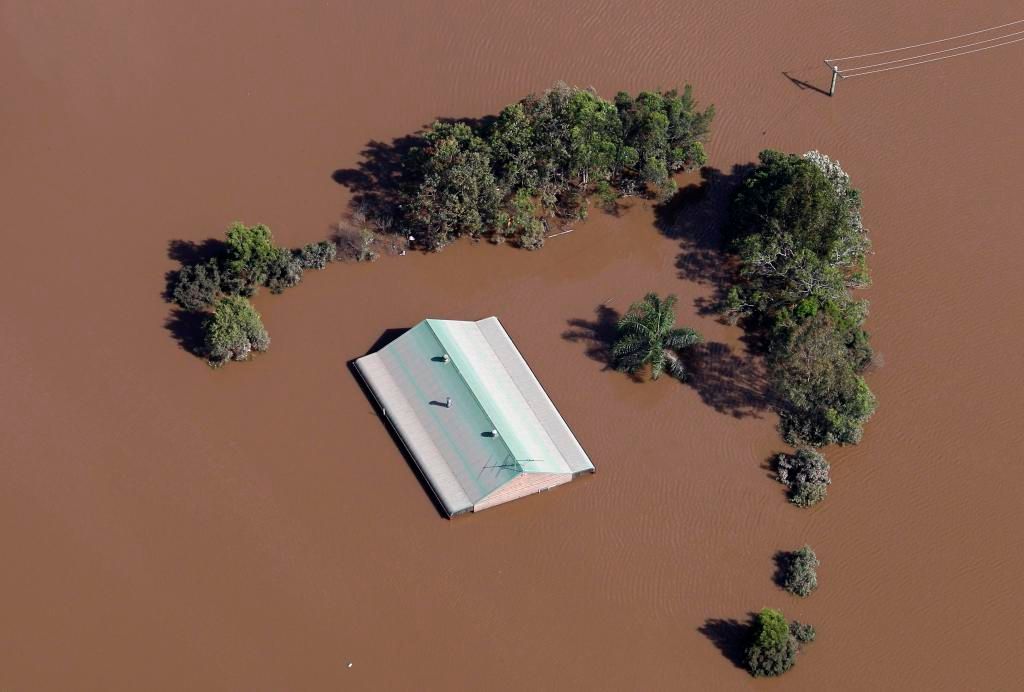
<point x="233" y="331"/>
<point x="806" y="472"/>
<point x="773" y="649"/>
<point x="663" y="134"/>
<point x="815" y="377"/>
<point x="648" y="336"/>
<point x="197" y="285"/>
<point x="284" y="270"/>
<point x="796" y="226"/>
<point x="457" y="194"/>
<point x="250" y="252"/>
<point x="801" y="576"/>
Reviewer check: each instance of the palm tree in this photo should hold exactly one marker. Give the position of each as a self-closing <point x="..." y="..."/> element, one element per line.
<point x="648" y="335"/>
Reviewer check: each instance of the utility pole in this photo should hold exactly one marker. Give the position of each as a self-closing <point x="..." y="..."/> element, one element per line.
<point x="835" y="75"/>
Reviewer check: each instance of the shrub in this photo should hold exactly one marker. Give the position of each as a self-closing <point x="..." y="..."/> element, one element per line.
<point x="801" y="632"/>
<point x="317" y="255"/>
<point x="607" y="196"/>
<point x="197" y="285"/>
<point x="233" y="331"/>
<point x="801" y="577"/>
<point x="283" y="271"/>
<point x="773" y="649"/>
<point x="358" y="244"/>
<point x="806" y="472"/>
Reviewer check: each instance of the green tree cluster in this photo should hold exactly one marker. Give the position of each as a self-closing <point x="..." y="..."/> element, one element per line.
<point x="648" y="337"/>
<point x="220" y="286"/>
<point x="774" y="643"/>
<point x="542" y="157"/>
<point x="796" y="228"/>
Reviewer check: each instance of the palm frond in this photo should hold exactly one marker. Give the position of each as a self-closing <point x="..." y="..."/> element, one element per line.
<point x="676" y="369"/>
<point x="657" y="363"/>
<point x="682" y="337"/>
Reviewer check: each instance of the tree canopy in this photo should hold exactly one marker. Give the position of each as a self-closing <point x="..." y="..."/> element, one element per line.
<point x="542" y="157"/>
<point x="233" y="331"/>
<point x="648" y="336"/>
<point x="796" y="229"/>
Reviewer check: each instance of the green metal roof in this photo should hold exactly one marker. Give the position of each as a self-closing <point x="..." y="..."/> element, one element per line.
<point x="491" y="389"/>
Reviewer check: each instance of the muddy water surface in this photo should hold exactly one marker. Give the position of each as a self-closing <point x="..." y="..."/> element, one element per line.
<point x="169" y="527"/>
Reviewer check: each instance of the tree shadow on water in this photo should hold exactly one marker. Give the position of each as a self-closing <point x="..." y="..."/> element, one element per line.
<point x="598" y="334"/>
<point x="731" y="637"/>
<point x="697" y="216"/>
<point x="187" y="329"/>
<point x="377" y="180"/>
<point x="186" y="252"/>
<point x="783" y="559"/>
<point x="727" y="382"/>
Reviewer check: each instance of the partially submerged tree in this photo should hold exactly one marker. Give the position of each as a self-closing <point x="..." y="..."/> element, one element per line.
<point x="775" y="643"/>
<point x="773" y="649"/>
<point x="815" y="375"/>
<point x="648" y="336"/>
<point x="806" y="472"/>
<point x="553" y="150"/>
<point x="457" y="194"/>
<point x="801" y="575"/>
<point x="250" y="252"/>
<point x="233" y="331"/>
<point x="317" y="255"/>
<point x="796" y="228"/>
<point x="197" y="285"/>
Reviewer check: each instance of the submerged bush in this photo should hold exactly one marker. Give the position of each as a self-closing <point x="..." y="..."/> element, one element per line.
<point x="197" y="285"/>
<point x="773" y="649"/>
<point x="283" y="271"/>
<point x="801" y="632"/>
<point x="233" y="331"/>
<point x="801" y="577"/>
<point x="806" y="472"/>
<point x="358" y="243"/>
<point x="317" y="255"/>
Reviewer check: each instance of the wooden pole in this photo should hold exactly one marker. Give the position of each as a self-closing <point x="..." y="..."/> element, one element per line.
<point x="835" y="75"/>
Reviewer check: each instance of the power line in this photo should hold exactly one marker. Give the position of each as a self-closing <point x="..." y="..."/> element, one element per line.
<point x="900" y="67"/>
<point x="934" y="52"/>
<point x="927" y="43"/>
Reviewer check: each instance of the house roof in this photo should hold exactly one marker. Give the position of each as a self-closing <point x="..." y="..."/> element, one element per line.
<point x="491" y="389"/>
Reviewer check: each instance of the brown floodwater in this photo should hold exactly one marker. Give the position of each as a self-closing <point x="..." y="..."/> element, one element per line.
<point x="165" y="526"/>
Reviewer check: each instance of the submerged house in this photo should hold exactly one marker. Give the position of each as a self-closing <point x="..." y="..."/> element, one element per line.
<point x="472" y="415"/>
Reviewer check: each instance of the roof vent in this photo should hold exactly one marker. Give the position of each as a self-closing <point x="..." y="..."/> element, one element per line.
<point x="445" y="358"/>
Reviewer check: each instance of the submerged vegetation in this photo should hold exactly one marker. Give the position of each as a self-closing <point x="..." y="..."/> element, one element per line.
<point x="233" y="331"/>
<point x="540" y="159"/>
<point x="800" y="576"/>
<point x="648" y="337"/>
<point x="775" y="643"/>
<point x="219" y="287"/>
<point x="806" y="472"/>
<point x="797" y="232"/>
<point x="505" y="177"/>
